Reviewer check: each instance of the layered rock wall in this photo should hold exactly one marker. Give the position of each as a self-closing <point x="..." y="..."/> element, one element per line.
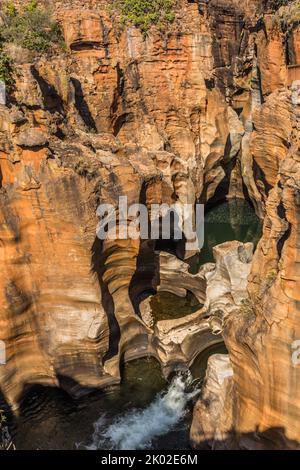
<point x="262" y="337"/>
<point x="118" y="114"/>
<point x="200" y="111"/>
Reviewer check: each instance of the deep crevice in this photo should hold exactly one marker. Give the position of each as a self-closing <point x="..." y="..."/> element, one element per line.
<point x="259" y="174"/>
<point x="52" y="101"/>
<point x="281" y="212"/>
<point x="82" y="106"/>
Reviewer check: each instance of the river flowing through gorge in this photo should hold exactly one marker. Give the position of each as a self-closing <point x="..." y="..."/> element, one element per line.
<point x="144" y="411"/>
<point x="101" y="324"/>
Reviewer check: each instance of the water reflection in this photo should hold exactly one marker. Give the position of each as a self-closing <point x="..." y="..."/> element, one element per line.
<point x="230" y="220"/>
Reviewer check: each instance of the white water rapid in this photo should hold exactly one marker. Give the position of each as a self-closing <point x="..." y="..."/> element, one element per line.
<point x="137" y="428"/>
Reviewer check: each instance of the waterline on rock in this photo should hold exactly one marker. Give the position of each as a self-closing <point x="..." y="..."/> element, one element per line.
<point x="137" y="428"/>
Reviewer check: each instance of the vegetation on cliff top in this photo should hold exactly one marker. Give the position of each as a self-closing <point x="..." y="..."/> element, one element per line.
<point x="287" y="16"/>
<point x="30" y="27"/>
<point x="145" y="13"/>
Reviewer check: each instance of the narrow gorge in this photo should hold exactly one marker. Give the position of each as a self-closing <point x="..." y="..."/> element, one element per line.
<point x="199" y="106"/>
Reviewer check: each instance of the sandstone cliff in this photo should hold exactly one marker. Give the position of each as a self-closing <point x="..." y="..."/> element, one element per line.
<point x="257" y="406"/>
<point x="200" y="110"/>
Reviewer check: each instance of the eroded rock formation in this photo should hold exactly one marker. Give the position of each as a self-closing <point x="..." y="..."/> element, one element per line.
<point x="224" y="286"/>
<point x="212" y="418"/>
<point x="124" y="115"/>
<point x="202" y="111"/>
<point x="261" y="408"/>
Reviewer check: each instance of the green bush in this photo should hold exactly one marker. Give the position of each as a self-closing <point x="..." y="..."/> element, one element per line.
<point x="144" y="13"/>
<point x="30" y="27"/>
<point x="6" y="70"/>
<point x="9" y="8"/>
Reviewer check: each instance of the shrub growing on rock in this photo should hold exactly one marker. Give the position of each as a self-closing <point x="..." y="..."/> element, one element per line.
<point x="30" y="27"/>
<point x="288" y="16"/>
<point x="144" y="13"/>
<point x="6" y="70"/>
<point x="84" y="167"/>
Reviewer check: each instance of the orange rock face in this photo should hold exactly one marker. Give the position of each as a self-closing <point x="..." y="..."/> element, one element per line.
<point x="117" y="115"/>
<point x="267" y="340"/>
<point x="258" y="407"/>
<point x="202" y="110"/>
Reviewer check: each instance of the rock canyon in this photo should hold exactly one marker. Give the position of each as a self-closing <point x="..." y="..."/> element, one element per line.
<point x="204" y="108"/>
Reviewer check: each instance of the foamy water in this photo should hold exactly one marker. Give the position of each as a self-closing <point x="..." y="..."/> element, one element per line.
<point x="137" y="428"/>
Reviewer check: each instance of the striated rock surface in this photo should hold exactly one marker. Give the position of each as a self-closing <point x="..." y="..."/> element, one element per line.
<point x="266" y="338"/>
<point x="203" y="110"/>
<point x="125" y="115"/>
<point x="262" y="410"/>
<point x="212" y="418"/>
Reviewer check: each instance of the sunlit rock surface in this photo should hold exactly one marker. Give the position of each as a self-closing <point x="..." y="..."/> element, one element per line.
<point x="202" y="111"/>
<point x="212" y="420"/>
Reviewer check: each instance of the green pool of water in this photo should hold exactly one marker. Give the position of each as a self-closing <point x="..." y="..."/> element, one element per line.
<point x="167" y="306"/>
<point x="230" y="220"/>
<point x="50" y="419"/>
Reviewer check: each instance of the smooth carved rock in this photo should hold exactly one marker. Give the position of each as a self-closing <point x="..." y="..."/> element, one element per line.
<point x="175" y="278"/>
<point x="196" y="113"/>
<point x="211" y="426"/>
<point x="223" y="285"/>
<point x="233" y="264"/>
<point x="261" y="337"/>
